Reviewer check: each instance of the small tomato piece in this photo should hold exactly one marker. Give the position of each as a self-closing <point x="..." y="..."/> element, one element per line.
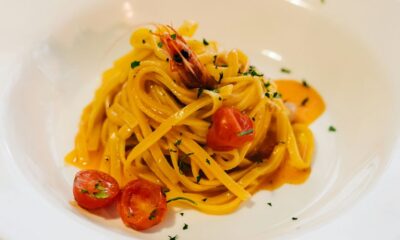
<point x="142" y="204"/>
<point x="94" y="189"/>
<point x="230" y="129"/>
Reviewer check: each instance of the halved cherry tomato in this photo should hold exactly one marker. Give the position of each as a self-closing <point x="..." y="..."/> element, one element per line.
<point x="94" y="189"/>
<point x="230" y="129"/>
<point x="142" y="204"/>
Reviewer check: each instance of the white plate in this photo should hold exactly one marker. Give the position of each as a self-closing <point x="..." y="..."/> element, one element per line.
<point x="347" y="50"/>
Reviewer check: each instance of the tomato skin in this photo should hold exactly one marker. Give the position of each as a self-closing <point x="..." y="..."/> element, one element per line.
<point x="142" y="204"/>
<point x="94" y="189"/>
<point x="225" y="131"/>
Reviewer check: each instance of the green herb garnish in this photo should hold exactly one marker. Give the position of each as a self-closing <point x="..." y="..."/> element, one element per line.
<point x="204" y="199"/>
<point x="182" y="214"/>
<point x="173" y="36"/>
<point x="332" y="129"/>
<point x="143" y="41"/>
<point x="270" y="204"/>
<point x="305" y="84"/>
<point x="84" y="191"/>
<point x="153" y="214"/>
<point x="266" y="85"/>
<point x="135" y="64"/>
<point x="221" y="75"/>
<point x="208" y="162"/>
<point x="267" y="95"/>
<point x="285" y="70"/>
<point x="178" y="142"/>
<point x="205" y="42"/>
<point x="246" y="132"/>
<point x="199" y="92"/>
<point x="253" y="72"/>
<point x="277" y="95"/>
<point x="294" y="218"/>
<point x="160" y="44"/>
<point x="185" y="226"/>
<point x="173" y="238"/>
<point x="198" y="178"/>
<point x="304" y="102"/>
<point x="181" y="198"/>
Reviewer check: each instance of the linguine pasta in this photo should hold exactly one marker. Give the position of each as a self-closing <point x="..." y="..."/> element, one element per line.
<point x="143" y="122"/>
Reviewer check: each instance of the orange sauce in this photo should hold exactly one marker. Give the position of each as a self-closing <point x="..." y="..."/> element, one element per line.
<point x="94" y="156"/>
<point x="286" y="174"/>
<point x="309" y="104"/>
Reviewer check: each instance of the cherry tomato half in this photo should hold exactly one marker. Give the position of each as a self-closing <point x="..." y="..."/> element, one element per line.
<point x="230" y="129"/>
<point x="94" y="189"/>
<point x="142" y="204"/>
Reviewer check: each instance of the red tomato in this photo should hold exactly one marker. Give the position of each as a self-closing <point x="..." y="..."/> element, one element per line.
<point x="230" y="129"/>
<point x="94" y="189"/>
<point x="142" y="204"/>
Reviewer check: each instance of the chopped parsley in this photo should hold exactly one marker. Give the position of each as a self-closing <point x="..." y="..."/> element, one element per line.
<point x="198" y="178"/>
<point x="173" y="238"/>
<point x="208" y="162"/>
<point x="204" y="199"/>
<point x="305" y="101"/>
<point x="182" y="214"/>
<point x="178" y="142"/>
<point x="267" y="95"/>
<point x="286" y="70"/>
<point x="185" y="226"/>
<point x="172" y="150"/>
<point x="332" y="129"/>
<point x="135" y="64"/>
<point x="270" y="204"/>
<point x="305" y="84"/>
<point x="143" y="41"/>
<point x="221" y="75"/>
<point x="173" y="36"/>
<point x="267" y="84"/>
<point x="253" y="72"/>
<point x="160" y="44"/>
<point x="277" y="95"/>
<point x="294" y="218"/>
<point x="205" y="42"/>
<point x="181" y="198"/>
<point x="215" y="59"/>
<point x="153" y="214"/>
<point x="199" y="92"/>
<point x="246" y="132"/>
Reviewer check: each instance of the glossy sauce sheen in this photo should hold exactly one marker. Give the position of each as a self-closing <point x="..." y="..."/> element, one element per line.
<point x="295" y="92"/>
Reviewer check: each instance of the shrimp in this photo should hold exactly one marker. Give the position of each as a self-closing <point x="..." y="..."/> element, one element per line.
<point x="183" y="60"/>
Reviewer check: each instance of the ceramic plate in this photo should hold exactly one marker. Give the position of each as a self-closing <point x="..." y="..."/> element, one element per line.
<point x="346" y="49"/>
